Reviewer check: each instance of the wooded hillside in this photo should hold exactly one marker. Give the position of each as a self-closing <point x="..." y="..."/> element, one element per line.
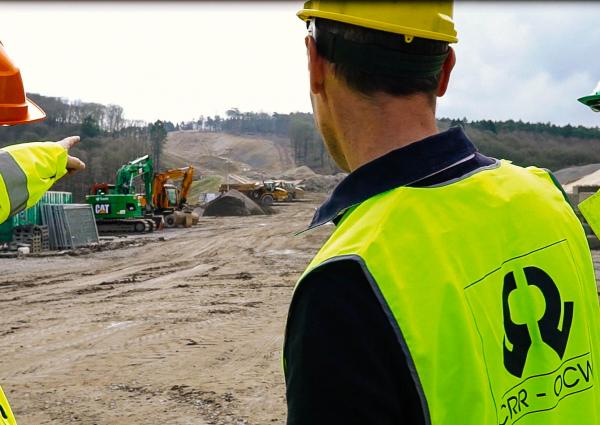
<point x="109" y="140"/>
<point x="542" y="144"/>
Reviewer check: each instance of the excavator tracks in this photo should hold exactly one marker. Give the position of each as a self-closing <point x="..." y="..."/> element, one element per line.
<point x="131" y="225"/>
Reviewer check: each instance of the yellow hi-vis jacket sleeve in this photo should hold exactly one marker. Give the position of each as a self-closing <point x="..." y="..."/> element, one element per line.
<point x="27" y="171"/>
<point x="6" y="415"/>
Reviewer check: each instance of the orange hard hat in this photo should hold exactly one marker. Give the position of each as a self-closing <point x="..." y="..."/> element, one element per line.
<point x="15" y="107"/>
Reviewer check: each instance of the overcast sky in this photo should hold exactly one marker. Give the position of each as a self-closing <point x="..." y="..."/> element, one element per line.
<point x="177" y="61"/>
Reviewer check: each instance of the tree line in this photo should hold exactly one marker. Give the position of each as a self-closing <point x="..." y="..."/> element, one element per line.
<point x="497" y="127"/>
<point x="109" y="140"/>
<point x="543" y="144"/>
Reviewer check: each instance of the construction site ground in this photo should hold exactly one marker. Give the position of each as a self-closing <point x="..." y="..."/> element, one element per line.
<point x="181" y="327"/>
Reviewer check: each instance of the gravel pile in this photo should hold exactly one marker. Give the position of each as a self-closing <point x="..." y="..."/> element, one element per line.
<point x="311" y="181"/>
<point x="322" y="183"/>
<point x="298" y="173"/>
<point x="232" y="203"/>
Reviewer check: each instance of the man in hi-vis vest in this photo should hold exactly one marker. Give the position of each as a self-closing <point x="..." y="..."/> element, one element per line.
<point x="590" y="207"/>
<point x="27" y="170"/>
<point x="456" y="289"/>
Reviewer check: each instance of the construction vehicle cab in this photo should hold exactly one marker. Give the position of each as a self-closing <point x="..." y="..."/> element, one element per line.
<point x="119" y="208"/>
<point x="166" y="197"/>
<point x="278" y="193"/>
<point x="170" y="201"/>
<point x="130" y="172"/>
<point x="293" y="190"/>
<point x="172" y="195"/>
<point x="102" y="189"/>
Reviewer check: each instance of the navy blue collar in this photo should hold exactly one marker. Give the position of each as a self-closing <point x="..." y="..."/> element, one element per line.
<point x="407" y="166"/>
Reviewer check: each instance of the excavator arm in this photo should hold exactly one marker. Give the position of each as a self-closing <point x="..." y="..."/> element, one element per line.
<point x="160" y="200"/>
<point x="186" y="184"/>
<point x="141" y="167"/>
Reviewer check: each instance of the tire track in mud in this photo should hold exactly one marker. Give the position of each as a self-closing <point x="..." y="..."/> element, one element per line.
<point x="214" y="408"/>
<point x="87" y="344"/>
<point x="197" y="319"/>
<point x="35" y="282"/>
<point x="164" y="338"/>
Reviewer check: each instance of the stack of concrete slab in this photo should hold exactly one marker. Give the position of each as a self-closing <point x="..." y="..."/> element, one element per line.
<point x="33" y="236"/>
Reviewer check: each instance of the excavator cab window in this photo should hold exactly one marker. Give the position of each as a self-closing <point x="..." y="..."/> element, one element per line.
<point x="172" y="196"/>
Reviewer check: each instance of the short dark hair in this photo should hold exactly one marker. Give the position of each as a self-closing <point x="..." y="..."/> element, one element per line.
<point x="369" y="76"/>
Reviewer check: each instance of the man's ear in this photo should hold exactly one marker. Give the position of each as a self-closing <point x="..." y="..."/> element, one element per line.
<point x="316" y="66"/>
<point x="447" y="68"/>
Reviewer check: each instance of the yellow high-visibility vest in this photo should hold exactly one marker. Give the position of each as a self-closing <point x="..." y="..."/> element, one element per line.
<point x="6" y="415"/>
<point x="489" y="285"/>
<point x="27" y="171"/>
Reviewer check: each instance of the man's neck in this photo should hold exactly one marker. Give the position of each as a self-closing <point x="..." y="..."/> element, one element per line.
<point x="369" y="130"/>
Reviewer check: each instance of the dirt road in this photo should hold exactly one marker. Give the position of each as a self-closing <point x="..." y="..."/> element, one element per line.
<point x="187" y="330"/>
<point x="182" y="331"/>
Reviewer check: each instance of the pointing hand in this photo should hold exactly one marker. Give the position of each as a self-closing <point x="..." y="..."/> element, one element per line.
<point x="73" y="164"/>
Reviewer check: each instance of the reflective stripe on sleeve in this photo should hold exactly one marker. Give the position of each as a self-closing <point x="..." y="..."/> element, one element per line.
<point x="15" y="181"/>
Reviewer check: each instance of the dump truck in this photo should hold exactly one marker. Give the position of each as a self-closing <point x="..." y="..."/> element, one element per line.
<point x="263" y="193"/>
<point x="293" y="188"/>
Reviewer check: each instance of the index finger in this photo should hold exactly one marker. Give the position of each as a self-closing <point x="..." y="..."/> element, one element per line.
<point x="69" y="142"/>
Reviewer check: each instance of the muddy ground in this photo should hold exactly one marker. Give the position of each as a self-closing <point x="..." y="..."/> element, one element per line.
<point x="187" y="330"/>
<point x="182" y="327"/>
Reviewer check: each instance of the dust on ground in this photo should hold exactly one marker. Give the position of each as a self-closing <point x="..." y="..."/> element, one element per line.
<point x="184" y="326"/>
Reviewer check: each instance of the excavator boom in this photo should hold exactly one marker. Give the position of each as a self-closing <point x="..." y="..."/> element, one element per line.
<point x="159" y="195"/>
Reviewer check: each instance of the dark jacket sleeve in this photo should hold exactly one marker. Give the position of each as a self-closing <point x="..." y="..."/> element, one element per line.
<point x="344" y="364"/>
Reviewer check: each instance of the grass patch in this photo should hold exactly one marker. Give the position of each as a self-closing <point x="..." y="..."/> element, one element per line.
<point x="206" y="184"/>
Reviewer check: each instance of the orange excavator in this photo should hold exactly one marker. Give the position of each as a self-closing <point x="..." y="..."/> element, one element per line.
<point x="171" y="201"/>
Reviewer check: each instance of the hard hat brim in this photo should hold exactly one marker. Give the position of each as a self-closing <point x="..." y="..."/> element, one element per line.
<point x="34" y="114"/>
<point x="593" y="101"/>
<point x="306" y="14"/>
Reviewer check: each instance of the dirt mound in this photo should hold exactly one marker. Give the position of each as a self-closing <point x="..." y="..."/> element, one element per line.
<point x="311" y="181"/>
<point x="298" y="173"/>
<point x="592" y="179"/>
<point x="571" y="174"/>
<point x="232" y="203"/>
<point x="322" y="183"/>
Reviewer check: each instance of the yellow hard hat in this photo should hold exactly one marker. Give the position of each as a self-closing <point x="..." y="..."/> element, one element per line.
<point x="425" y="19"/>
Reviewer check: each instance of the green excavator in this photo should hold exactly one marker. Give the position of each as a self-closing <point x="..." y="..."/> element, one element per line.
<point x="119" y="208"/>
